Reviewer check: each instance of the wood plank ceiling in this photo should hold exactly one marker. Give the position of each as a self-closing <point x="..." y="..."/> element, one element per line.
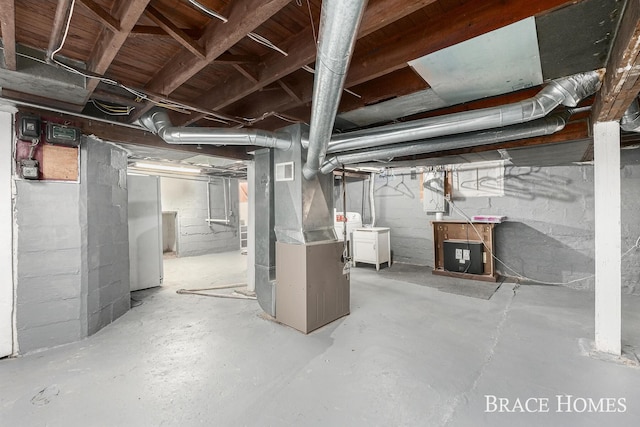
<point x="208" y="71"/>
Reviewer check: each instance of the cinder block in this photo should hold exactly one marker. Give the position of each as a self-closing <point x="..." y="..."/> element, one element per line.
<point x="49" y="335"/>
<point x="33" y="315"/>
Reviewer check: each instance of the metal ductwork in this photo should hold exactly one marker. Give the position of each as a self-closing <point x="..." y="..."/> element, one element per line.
<point x="540" y="127"/>
<point x="631" y="119"/>
<point x="339" y="24"/>
<point x="158" y="122"/>
<point x="568" y="91"/>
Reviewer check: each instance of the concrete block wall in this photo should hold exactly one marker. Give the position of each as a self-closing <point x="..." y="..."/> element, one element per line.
<point x="72" y="251"/>
<point x="189" y="199"/>
<point x="49" y="247"/>
<point x="630" y="183"/>
<point x="549" y="235"/>
<point x="105" y="227"/>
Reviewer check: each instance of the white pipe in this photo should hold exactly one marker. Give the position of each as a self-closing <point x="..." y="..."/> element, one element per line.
<point x="372" y="181"/>
<point x="226" y="220"/>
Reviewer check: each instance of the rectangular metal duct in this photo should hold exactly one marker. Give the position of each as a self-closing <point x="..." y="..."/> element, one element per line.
<point x="265" y="246"/>
<point x="304" y="208"/>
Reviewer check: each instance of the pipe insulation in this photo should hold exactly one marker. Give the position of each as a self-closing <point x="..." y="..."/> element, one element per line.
<point x="339" y="22"/>
<point x="540" y="127"/>
<point x="158" y="122"/>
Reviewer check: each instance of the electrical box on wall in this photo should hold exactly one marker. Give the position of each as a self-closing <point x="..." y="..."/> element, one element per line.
<point x="46" y="150"/>
<point x="29" y="128"/>
<point x="63" y="135"/>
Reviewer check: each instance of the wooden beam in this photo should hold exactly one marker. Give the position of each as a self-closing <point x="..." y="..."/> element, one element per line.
<point x="8" y="27"/>
<point x="297" y="98"/>
<point x="227" y="58"/>
<point x="470" y="19"/>
<point x="36" y="99"/>
<point x="302" y="51"/>
<point x="148" y="30"/>
<point x="621" y="83"/>
<point x="101" y="15"/>
<point x="109" y="44"/>
<point x="127" y="135"/>
<point x="246" y="73"/>
<point x="243" y="17"/>
<point x="176" y="33"/>
<point x="59" y="21"/>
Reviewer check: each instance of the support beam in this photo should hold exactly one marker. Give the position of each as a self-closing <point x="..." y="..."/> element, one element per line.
<point x="302" y="51"/>
<point x="243" y="17"/>
<point x="176" y="33"/>
<point x="57" y="29"/>
<point x="470" y="19"/>
<point x="245" y="72"/>
<point x="621" y="83"/>
<point x="7" y="302"/>
<point x="109" y="43"/>
<point x="608" y="315"/>
<point x="8" y="27"/>
<point x="101" y="15"/>
<point x="151" y="31"/>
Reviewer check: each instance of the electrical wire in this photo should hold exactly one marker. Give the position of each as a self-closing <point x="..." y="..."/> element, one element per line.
<point x="140" y="95"/>
<point x="266" y="42"/>
<point x="517" y="275"/>
<point x="209" y="12"/>
<point x="111" y="110"/>
<point x="313" y="26"/>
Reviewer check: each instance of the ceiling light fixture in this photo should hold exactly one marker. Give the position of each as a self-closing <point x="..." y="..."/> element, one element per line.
<point x="207" y="11"/>
<point x="167" y="168"/>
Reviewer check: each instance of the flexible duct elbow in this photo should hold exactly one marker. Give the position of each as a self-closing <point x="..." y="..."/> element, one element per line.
<point x="159" y="123"/>
<point x="568" y="91"/>
<point x="631" y="119"/>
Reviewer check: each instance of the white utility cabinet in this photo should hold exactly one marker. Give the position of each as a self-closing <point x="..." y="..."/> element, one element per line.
<point x="372" y="246"/>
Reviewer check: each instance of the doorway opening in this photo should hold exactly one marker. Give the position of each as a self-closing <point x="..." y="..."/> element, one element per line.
<point x="169" y="234"/>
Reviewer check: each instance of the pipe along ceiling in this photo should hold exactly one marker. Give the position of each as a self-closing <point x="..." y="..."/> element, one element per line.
<point x="339" y="25"/>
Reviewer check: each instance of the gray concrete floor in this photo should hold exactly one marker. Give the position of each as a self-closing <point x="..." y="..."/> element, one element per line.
<point x="406" y="355"/>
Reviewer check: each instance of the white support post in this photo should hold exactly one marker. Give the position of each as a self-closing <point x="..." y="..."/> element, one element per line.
<point x="251" y="228"/>
<point x="608" y="283"/>
<point x="6" y="235"/>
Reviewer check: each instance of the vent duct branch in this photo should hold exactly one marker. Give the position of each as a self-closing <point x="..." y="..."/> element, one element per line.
<point x="158" y="122"/>
<point x="540" y="127"/>
<point x="568" y="91"/>
<point x="339" y="24"/>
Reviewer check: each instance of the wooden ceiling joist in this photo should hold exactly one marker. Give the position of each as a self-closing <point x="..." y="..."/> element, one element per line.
<point x="8" y="27"/>
<point x="290" y="91"/>
<point x="109" y="43"/>
<point x="176" y="33"/>
<point x="469" y="20"/>
<point x="59" y="21"/>
<point x="101" y="15"/>
<point x="152" y="31"/>
<point x="621" y="84"/>
<point x="245" y="72"/>
<point x="302" y="51"/>
<point x="243" y="17"/>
